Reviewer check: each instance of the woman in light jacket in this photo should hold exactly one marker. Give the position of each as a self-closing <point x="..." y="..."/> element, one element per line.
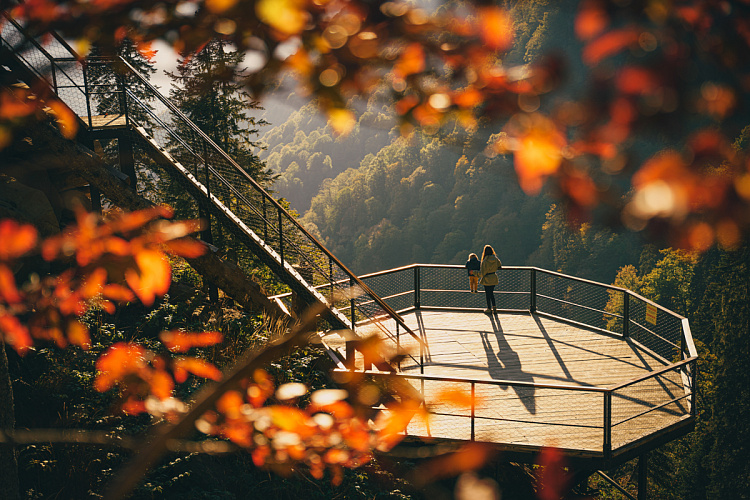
<point x="488" y="278"/>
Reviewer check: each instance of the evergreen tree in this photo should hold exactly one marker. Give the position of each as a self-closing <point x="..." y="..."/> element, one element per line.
<point x="107" y="84"/>
<point x="207" y="88"/>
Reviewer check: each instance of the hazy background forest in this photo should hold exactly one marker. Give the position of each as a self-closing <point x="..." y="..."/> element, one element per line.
<point x="380" y="198"/>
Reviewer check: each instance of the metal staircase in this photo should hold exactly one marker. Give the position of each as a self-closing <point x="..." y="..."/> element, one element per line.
<point x="165" y="144"/>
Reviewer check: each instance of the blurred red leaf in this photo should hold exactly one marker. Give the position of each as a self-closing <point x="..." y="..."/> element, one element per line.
<point x="411" y="61"/>
<point x="609" y="44"/>
<point x="292" y="419"/>
<point x="67" y="121"/>
<point x="196" y="366"/>
<point x="94" y="283"/>
<point x="14" y="333"/>
<point x="116" y="362"/>
<point x="118" y="293"/>
<point x="153" y="278"/>
<point x="591" y="19"/>
<point x="186" y="247"/>
<point x="230" y="404"/>
<point x="177" y="341"/>
<point x="554" y="477"/>
<point x="78" y="334"/>
<point x="635" y="80"/>
<point x="15" y="239"/>
<point x="8" y="290"/>
<point x="495" y="28"/>
<point x="161" y="384"/>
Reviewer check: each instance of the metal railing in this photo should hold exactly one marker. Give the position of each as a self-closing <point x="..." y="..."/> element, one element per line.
<point x="629" y="411"/>
<point x="105" y="86"/>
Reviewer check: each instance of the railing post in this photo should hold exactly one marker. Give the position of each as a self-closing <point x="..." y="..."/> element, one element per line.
<point x="473" y="404"/>
<point x="86" y="93"/>
<point x="124" y="97"/>
<point x="694" y="388"/>
<point x="626" y="314"/>
<point x="417" y="298"/>
<point x="532" y="293"/>
<point x="265" y="221"/>
<point x="642" y="476"/>
<point x="281" y="239"/>
<point x="607" y="445"/>
<point x="353" y="314"/>
<point x="330" y="277"/>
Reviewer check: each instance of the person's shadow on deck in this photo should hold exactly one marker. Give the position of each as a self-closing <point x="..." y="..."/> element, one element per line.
<point x="506" y="365"/>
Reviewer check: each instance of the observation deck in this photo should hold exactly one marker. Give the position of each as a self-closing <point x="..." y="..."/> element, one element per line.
<point x="596" y="371"/>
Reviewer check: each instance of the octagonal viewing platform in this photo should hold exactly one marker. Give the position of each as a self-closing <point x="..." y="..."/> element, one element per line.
<point x="596" y="371"/>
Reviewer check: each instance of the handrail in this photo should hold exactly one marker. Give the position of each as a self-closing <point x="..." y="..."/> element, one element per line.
<point x="515" y="383"/>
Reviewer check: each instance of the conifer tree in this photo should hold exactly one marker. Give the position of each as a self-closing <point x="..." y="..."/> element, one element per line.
<point x="207" y="87"/>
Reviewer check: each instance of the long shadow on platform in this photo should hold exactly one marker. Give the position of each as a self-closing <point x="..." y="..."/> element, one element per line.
<point x="507" y="365"/>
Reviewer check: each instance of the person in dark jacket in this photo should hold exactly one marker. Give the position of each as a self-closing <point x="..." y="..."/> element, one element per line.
<point x="487" y="277"/>
<point x="472" y="266"/>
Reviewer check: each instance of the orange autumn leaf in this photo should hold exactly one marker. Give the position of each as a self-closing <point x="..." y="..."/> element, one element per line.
<point x="539" y="153"/>
<point x="118" y="293"/>
<point x="591" y="19"/>
<point x="241" y="435"/>
<point x="260" y="454"/>
<point x="609" y="44"/>
<point x="468" y="98"/>
<point x="14" y="333"/>
<point x="411" y="61"/>
<point x="146" y="50"/>
<point x="67" y="121"/>
<point x="8" y="290"/>
<point x="196" y="366"/>
<point x="186" y="247"/>
<point x="133" y="406"/>
<point x="153" y="278"/>
<point x="292" y="419"/>
<point x="78" y="334"/>
<point x="230" y="404"/>
<point x="94" y="283"/>
<point x="405" y="104"/>
<point x="161" y="384"/>
<point x="15" y="104"/>
<point x="135" y="220"/>
<point x="457" y="397"/>
<point x="177" y="341"/>
<point x="116" y="362"/>
<point x="635" y="80"/>
<point x="495" y="28"/>
<point x="16" y="239"/>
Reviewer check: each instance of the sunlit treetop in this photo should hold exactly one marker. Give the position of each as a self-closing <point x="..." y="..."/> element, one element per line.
<point x="670" y="75"/>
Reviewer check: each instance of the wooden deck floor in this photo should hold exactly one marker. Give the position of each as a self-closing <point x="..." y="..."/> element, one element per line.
<point x="527" y="348"/>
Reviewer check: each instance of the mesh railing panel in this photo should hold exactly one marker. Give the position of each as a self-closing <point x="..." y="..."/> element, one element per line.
<point x="572" y="299"/>
<point x="642" y="408"/>
<point x="508" y="413"/>
<point x="664" y="337"/>
<point x="396" y="288"/>
<point x="448" y="287"/>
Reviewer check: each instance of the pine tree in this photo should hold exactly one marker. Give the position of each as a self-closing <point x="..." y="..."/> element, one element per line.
<point x="207" y="88"/>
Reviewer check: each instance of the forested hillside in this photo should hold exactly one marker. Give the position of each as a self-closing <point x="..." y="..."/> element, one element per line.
<point x="379" y="199"/>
